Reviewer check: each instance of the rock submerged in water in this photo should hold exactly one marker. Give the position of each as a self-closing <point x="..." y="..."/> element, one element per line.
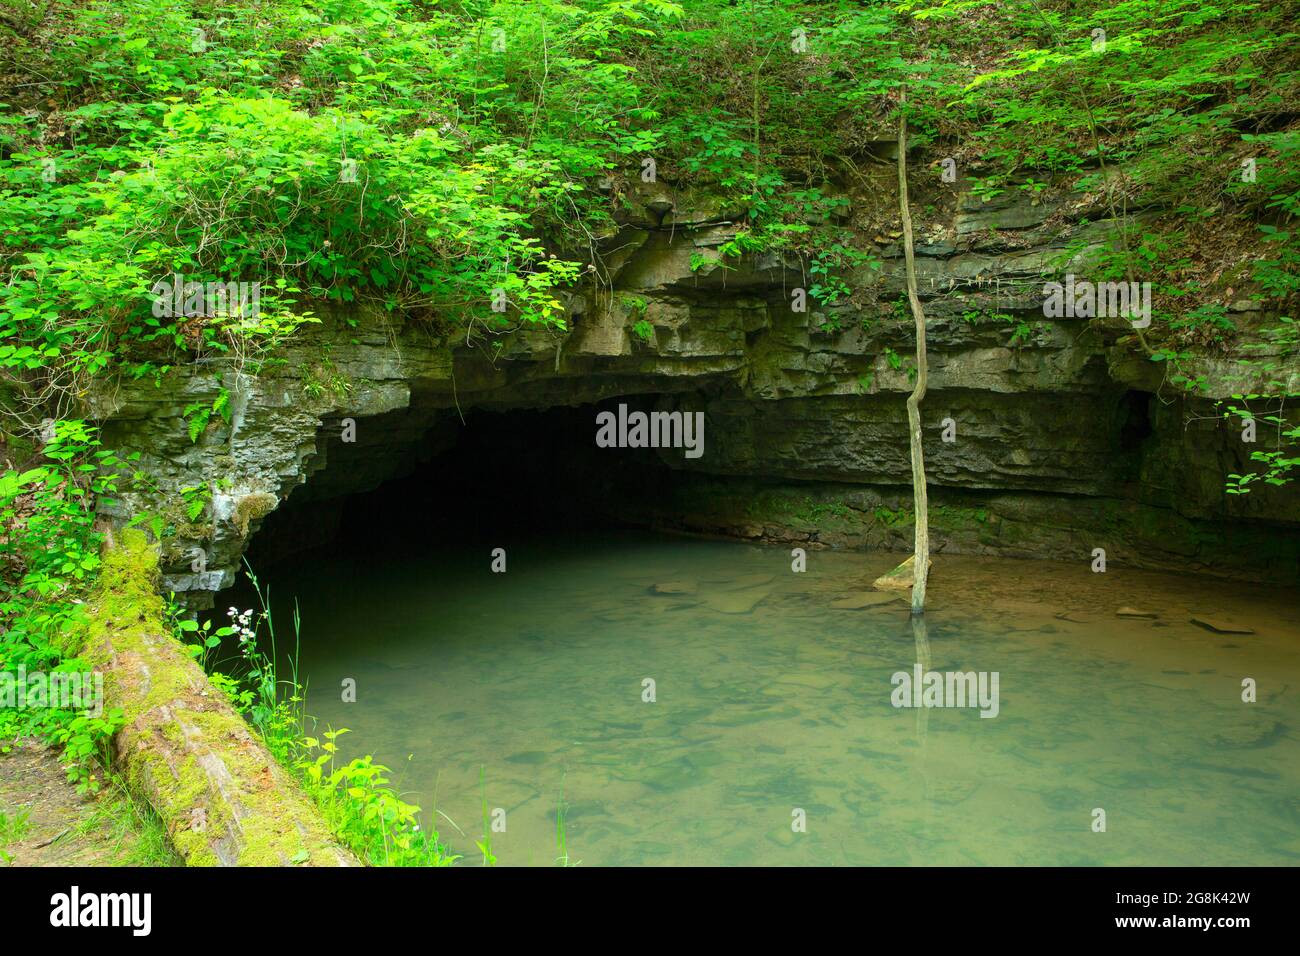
<point x="730" y="596"/>
<point x="856" y="602"/>
<point x="674" y="587"/>
<point x="1134" y="612"/>
<point x="735" y="602"/>
<point x="1220" y="626"/>
<point x="1245" y="733"/>
<point x="901" y="578"/>
<point x="744" y="582"/>
<point x="952" y="791"/>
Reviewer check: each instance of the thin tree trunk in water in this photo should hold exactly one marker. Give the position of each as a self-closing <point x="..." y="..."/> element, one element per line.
<point x="921" y="638"/>
<point x="921" y="505"/>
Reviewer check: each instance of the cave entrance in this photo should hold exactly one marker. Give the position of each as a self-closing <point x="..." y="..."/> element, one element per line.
<point x="495" y="476"/>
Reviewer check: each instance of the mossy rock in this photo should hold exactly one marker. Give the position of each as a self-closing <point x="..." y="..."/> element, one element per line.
<point x="252" y="507"/>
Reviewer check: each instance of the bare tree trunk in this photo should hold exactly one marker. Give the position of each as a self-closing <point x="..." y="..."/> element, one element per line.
<point x="921" y="504"/>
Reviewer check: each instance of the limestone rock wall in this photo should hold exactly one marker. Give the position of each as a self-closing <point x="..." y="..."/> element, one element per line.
<point x="1059" y="425"/>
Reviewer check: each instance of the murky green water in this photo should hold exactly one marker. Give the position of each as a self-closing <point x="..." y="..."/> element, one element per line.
<point x="769" y="701"/>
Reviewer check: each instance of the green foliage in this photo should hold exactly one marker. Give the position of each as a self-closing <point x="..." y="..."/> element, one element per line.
<point x="485" y="844"/>
<point x="332" y="149"/>
<point x="893" y="517"/>
<point x="636" y="307"/>
<point x="197" y="498"/>
<point x="561" y="838"/>
<point x="1269" y="412"/>
<point x="355" y="796"/>
<point x="49" y="553"/>
<point x="1022" y="330"/>
<point x="49" y="548"/>
<point x="12" y="829"/>
<point x="361" y="807"/>
<point x="198" y="414"/>
<point x="200" y="641"/>
<point x="431" y="158"/>
<point x="1279" y="274"/>
<point x="829" y="287"/>
<point x="14" y="825"/>
<point x="1209" y="320"/>
<point x="86" y="740"/>
<point x="815" y="512"/>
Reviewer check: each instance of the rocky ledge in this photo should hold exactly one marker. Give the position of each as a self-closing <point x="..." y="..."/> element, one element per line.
<point x="1044" y="437"/>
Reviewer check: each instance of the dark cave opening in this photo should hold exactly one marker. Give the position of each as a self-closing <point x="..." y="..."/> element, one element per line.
<point x="498" y="475"/>
<point x="1135" y="428"/>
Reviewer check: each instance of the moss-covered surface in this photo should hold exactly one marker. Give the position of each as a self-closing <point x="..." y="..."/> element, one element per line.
<point x="221" y="795"/>
<point x="253" y="507"/>
<point x="1012" y="525"/>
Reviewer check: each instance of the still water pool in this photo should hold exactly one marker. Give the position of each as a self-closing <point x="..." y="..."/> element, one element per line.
<point x="772" y="705"/>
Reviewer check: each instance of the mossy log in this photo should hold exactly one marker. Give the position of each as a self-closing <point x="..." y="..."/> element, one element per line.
<point x="222" y="796"/>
